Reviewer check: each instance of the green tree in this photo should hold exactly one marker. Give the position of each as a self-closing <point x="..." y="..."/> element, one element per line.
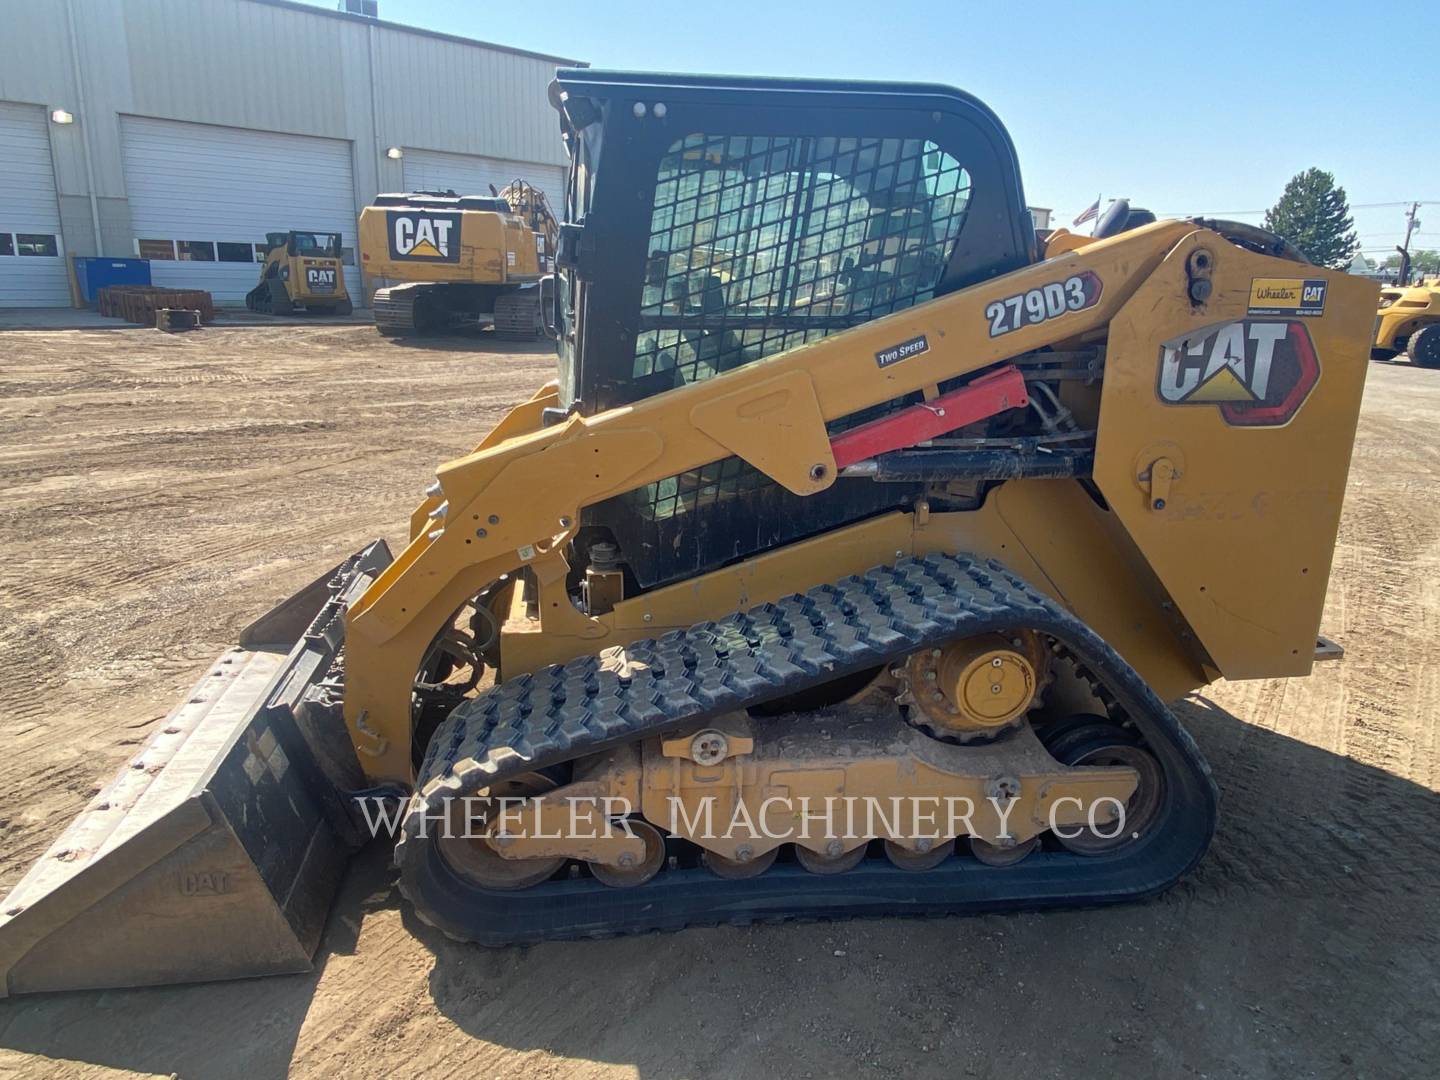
<point x="1421" y="262"/>
<point x="1314" y="215"/>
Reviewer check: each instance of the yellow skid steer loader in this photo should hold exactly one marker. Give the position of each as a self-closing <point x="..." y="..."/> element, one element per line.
<point x="845" y="569"/>
<point x="301" y="270"/>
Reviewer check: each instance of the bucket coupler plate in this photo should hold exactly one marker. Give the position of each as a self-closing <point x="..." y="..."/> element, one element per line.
<point x="216" y="851"/>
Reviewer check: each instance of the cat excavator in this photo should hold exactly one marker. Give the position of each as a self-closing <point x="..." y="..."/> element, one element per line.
<point x="466" y="261"/>
<point x="846" y="568"/>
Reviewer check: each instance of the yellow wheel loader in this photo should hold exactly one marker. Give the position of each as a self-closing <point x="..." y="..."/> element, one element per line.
<point x="1408" y="321"/>
<point x="845" y="569"/>
<point x="465" y="260"/>
<point x="302" y="270"/>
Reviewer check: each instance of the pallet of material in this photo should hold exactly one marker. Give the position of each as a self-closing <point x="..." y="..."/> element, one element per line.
<point x="175" y="320"/>
<point x="139" y="303"/>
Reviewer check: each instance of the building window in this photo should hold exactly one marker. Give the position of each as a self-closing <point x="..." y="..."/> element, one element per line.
<point x="242" y="253"/>
<point x="195" y="250"/>
<point x="7" y="244"/>
<point x="156" y="249"/>
<point x="261" y="250"/>
<point x="347" y="256"/>
<point x="36" y="244"/>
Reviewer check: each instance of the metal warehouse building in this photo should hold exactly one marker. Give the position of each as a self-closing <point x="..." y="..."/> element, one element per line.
<point x="182" y="131"/>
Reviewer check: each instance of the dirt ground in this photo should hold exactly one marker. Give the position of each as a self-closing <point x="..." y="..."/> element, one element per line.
<point x="160" y="491"/>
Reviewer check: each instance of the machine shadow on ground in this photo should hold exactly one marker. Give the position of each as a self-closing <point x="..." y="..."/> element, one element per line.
<point x="1228" y="974"/>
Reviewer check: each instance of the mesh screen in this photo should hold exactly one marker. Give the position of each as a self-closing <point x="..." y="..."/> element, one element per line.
<point x="762" y="243"/>
<point x="758" y="244"/>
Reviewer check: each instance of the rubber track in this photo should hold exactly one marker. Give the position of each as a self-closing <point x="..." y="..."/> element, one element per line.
<point x="777" y="649"/>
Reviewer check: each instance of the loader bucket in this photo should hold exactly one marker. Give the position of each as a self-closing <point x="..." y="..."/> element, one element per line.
<point x="216" y="851"/>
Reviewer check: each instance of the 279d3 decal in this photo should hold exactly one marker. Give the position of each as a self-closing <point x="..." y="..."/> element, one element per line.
<point x="1049" y="301"/>
<point x="1257" y="372"/>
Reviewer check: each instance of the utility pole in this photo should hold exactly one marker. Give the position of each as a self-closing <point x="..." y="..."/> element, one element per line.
<point x="1403" y="277"/>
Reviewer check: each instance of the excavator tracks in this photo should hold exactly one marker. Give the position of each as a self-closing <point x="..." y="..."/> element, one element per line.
<point x="772" y="651"/>
<point x="394" y="309"/>
<point x="517" y="315"/>
<point x="433" y="307"/>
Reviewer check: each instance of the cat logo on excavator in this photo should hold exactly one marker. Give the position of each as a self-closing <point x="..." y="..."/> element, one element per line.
<point x="427" y="237"/>
<point x="1258" y="372"/>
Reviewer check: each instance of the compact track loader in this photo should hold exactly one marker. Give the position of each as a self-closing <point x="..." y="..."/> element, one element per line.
<point x="301" y="270"/>
<point x="845" y="569"/>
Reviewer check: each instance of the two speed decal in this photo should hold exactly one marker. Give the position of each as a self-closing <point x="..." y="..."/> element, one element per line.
<point x="1045" y="302"/>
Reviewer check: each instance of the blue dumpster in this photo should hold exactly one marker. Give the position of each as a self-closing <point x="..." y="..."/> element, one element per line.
<point x="93" y="274"/>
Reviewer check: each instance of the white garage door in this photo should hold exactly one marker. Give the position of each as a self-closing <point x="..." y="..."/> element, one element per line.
<point x="32" y="263"/>
<point x="465" y="174"/>
<point x="202" y="199"/>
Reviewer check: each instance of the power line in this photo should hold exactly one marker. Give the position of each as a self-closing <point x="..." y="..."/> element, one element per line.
<point x="1223" y="213"/>
<point x="1207" y="213"/>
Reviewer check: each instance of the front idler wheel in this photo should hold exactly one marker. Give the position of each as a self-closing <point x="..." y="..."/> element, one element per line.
<point x="463" y="845"/>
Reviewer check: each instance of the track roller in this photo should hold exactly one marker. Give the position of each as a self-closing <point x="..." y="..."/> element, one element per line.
<point x="735" y="869"/>
<point x="837" y="863"/>
<point x="629" y="875"/>
<point x="994" y="855"/>
<point x="910" y="859"/>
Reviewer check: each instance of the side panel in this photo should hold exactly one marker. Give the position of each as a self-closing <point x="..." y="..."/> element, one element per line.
<point x="1250" y="400"/>
<point x="1048" y="531"/>
<point x="321" y="280"/>
<point x="506" y="502"/>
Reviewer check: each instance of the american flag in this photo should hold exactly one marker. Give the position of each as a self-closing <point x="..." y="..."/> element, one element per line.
<point x="1089" y="213"/>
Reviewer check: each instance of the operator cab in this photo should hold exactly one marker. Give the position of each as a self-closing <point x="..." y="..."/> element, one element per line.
<point x="712" y="222"/>
<point x="315" y="245"/>
<point x="311" y="244"/>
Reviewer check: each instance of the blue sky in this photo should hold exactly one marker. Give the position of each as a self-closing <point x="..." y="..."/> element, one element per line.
<point x="1184" y="108"/>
